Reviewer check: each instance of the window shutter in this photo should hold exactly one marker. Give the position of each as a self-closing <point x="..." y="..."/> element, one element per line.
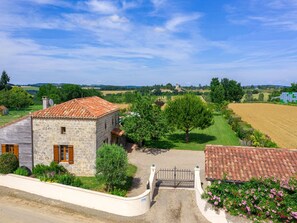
<point x="71" y="158"/>
<point x="56" y="153"/>
<point x="16" y="150"/>
<point x="3" y="148"/>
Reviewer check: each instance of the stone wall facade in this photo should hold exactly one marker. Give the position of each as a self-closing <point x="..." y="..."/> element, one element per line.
<point x="86" y="136"/>
<point x="20" y="133"/>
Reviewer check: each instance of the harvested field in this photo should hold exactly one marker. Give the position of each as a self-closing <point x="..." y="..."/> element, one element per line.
<point x="115" y="92"/>
<point x="277" y="121"/>
<point x="123" y="106"/>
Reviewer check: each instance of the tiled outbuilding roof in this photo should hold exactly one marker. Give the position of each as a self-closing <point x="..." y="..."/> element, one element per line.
<point x="85" y="108"/>
<point x="240" y="164"/>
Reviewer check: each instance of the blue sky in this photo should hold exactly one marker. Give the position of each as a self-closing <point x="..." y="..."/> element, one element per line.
<point x="144" y="42"/>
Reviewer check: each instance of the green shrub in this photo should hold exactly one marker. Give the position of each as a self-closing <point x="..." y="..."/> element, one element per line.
<point x="22" y="171"/>
<point x="111" y="166"/>
<point x="119" y="192"/>
<point x="69" y="179"/>
<point x="52" y="169"/>
<point x="8" y="163"/>
<point x="258" y="199"/>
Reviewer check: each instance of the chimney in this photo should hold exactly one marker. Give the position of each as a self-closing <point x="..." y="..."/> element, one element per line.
<point x="45" y="102"/>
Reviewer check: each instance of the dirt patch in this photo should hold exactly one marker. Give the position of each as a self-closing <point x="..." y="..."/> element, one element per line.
<point x="277" y="121"/>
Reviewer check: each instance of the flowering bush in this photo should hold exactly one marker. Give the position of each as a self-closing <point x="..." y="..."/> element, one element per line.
<point x="258" y="199"/>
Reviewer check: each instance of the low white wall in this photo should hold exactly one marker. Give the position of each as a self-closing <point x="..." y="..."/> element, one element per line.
<point x="208" y="212"/>
<point x="132" y="206"/>
<point x="152" y="181"/>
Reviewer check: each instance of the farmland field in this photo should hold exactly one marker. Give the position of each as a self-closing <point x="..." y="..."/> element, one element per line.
<point x="115" y="92"/>
<point x="277" y="121"/>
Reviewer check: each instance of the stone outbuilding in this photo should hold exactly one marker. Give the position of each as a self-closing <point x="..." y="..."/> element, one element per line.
<point x="69" y="133"/>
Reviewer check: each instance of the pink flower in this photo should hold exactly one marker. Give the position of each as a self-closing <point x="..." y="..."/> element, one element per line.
<point x="294" y="215"/>
<point x="280" y="193"/>
<point x="216" y="203"/>
<point x="271" y="195"/>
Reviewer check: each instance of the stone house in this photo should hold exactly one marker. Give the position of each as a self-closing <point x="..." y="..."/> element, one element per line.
<point x="69" y="133"/>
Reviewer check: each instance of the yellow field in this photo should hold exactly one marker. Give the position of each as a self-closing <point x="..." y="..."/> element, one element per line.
<point x="277" y="121"/>
<point x="123" y="106"/>
<point x="115" y="92"/>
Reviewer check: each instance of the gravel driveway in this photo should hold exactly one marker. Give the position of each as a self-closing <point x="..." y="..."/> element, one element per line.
<point x="162" y="158"/>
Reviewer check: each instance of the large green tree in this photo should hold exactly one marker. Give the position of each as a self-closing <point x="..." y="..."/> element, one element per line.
<point x="111" y="166"/>
<point x="187" y="113"/>
<point x="50" y="91"/>
<point x="146" y="121"/>
<point x="4" y="80"/>
<point x="15" y="98"/>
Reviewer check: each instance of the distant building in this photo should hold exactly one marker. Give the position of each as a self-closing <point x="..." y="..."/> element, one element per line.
<point x="3" y="110"/>
<point x="288" y="97"/>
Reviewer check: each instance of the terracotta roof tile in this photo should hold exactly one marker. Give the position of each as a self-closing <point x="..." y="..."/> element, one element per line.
<point x="88" y="108"/>
<point x="243" y="163"/>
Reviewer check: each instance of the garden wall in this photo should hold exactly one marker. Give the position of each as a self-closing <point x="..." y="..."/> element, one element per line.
<point x="206" y="209"/>
<point x="132" y="206"/>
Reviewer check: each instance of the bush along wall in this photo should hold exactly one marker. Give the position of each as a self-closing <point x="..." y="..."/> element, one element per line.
<point x="261" y="200"/>
<point x="247" y="134"/>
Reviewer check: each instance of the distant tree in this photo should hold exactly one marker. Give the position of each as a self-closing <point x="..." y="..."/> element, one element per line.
<point x="4" y="81"/>
<point x="146" y="121"/>
<point x="233" y="90"/>
<point x="261" y="97"/>
<point x="214" y="84"/>
<point x="218" y="95"/>
<point x="111" y="166"/>
<point x="91" y="92"/>
<point x="50" y="91"/>
<point x="169" y="86"/>
<point x="188" y="112"/>
<point x="71" y="91"/>
<point x="293" y="87"/>
<point x="248" y="96"/>
<point x="15" y="98"/>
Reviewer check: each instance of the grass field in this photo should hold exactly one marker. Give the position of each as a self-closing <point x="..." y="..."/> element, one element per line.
<point x="16" y="114"/>
<point x="277" y="121"/>
<point x="30" y="88"/>
<point x="220" y="133"/>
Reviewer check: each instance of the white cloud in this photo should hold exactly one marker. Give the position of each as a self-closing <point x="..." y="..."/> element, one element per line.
<point x="158" y="3"/>
<point x="175" y="22"/>
<point x="102" y="6"/>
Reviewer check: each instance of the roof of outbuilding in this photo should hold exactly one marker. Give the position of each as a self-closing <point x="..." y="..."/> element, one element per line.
<point x="85" y="108"/>
<point x="2" y="107"/>
<point x="240" y="164"/>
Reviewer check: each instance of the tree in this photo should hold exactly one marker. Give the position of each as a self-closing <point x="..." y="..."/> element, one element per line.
<point x="248" y="96"/>
<point x="146" y="121"/>
<point x="16" y="98"/>
<point x="111" y="166"/>
<point x="188" y="112"/>
<point x="218" y="95"/>
<point x="50" y="91"/>
<point x="4" y="81"/>
<point x="261" y="97"/>
<point x="70" y="91"/>
<point x="233" y="90"/>
<point x="214" y="84"/>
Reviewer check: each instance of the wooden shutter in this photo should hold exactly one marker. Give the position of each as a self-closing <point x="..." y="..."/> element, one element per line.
<point x="16" y="150"/>
<point x="56" y="153"/>
<point x="71" y="158"/>
<point x="3" y="148"/>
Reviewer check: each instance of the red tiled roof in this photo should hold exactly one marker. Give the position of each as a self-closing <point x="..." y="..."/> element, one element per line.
<point x="240" y="164"/>
<point x="2" y="107"/>
<point x="88" y="108"/>
<point x="117" y="132"/>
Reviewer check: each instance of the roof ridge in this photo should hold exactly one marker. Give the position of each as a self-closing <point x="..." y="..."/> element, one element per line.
<point x="252" y="147"/>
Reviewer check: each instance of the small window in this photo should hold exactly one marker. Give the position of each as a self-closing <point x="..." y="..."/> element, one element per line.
<point x="105" y="141"/>
<point x="63" y="153"/>
<point x="11" y="148"/>
<point x="63" y="130"/>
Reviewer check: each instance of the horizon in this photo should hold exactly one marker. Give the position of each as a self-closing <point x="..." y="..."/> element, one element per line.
<point x="147" y="42"/>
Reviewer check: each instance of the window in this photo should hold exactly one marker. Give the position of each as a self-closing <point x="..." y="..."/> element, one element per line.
<point x="63" y="153"/>
<point x="105" y="141"/>
<point x="11" y="148"/>
<point x="63" y="130"/>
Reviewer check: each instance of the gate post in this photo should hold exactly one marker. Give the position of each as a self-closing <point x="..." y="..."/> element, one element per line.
<point x="197" y="183"/>
<point x="175" y="177"/>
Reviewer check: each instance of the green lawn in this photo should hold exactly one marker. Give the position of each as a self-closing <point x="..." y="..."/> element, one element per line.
<point x="220" y="133"/>
<point x="15" y="114"/>
<point x="92" y="183"/>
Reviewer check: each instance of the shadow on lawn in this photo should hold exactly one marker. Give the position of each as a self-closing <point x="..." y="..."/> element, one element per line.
<point x="199" y="138"/>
